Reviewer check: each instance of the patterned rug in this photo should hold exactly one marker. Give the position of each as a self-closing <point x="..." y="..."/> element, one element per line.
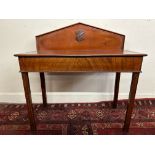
<point x="79" y="118"/>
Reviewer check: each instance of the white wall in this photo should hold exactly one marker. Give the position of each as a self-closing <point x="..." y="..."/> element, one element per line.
<point x="18" y="36"/>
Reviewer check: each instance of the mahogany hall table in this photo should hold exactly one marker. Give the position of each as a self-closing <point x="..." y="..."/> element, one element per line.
<point x="80" y="48"/>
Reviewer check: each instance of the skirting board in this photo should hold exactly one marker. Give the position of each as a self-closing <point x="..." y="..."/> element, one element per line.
<point x="66" y="97"/>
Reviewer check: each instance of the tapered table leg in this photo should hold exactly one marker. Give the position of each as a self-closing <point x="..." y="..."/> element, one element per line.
<point x="43" y="88"/>
<point x="116" y="90"/>
<point x="130" y="106"/>
<point x="27" y="91"/>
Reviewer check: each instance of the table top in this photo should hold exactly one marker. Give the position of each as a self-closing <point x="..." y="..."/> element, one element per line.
<point x="80" y="53"/>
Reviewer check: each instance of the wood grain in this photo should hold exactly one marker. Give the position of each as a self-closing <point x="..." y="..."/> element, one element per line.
<point x="87" y="64"/>
<point x="65" y="39"/>
<point x="81" y="53"/>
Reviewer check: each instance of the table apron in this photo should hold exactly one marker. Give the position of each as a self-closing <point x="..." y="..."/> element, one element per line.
<point x="80" y="64"/>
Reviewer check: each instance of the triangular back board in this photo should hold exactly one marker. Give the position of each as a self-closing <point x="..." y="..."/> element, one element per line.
<point x="80" y="36"/>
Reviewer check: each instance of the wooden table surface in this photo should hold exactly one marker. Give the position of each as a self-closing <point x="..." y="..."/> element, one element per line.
<point x="81" y="53"/>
